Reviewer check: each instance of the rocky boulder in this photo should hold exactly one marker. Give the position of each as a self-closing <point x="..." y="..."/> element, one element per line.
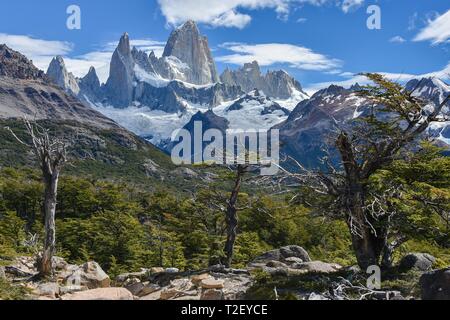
<point x="436" y="285"/>
<point x="281" y="255"/>
<point x="50" y="290"/>
<point x="90" y="275"/>
<point x="418" y="261"/>
<point x="318" y="267"/>
<point x="22" y="267"/>
<point x="111" y="294"/>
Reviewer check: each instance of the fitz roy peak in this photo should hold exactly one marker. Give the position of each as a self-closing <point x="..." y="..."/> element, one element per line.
<point x="191" y="48"/>
<point x="153" y="96"/>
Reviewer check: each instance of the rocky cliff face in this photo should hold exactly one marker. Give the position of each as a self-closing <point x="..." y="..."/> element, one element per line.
<point x="58" y="73"/>
<point x="313" y="123"/>
<point x="191" y="48"/>
<point x="276" y="84"/>
<point x="27" y="92"/>
<point x="119" y="87"/>
<point x="90" y="87"/>
<point x="15" y="65"/>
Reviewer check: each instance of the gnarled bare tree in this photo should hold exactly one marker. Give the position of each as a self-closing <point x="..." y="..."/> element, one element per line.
<point x="51" y="155"/>
<point x="398" y="118"/>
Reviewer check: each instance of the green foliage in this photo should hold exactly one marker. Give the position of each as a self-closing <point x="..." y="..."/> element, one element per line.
<point x="11" y="292"/>
<point x="420" y="209"/>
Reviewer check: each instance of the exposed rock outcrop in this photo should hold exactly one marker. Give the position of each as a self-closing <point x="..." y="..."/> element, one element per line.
<point x="101" y="294"/>
<point x="276" y="84"/>
<point x="15" y="65"/>
<point x="119" y="87"/>
<point x="418" y="261"/>
<point x="27" y="92"/>
<point x="90" y="87"/>
<point x="58" y="73"/>
<point x="191" y="48"/>
<point x="282" y="254"/>
<point x="436" y="285"/>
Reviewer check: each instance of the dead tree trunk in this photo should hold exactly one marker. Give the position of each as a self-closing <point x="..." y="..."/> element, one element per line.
<point x="231" y="218"/>
<point x="51" y="156"/>
<point x="50" y="196"/>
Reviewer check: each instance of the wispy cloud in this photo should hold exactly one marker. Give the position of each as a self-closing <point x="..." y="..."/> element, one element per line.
<point x="397" y="39"/>
<point x="38" y="50"/>
<point x="437" y="30"/>
<point x="43" y="51"/>
<point x="278" y="53"/>
<point x="220" y="13"/>
<point x="349" y="5"/>
<point x="443" y="74"/>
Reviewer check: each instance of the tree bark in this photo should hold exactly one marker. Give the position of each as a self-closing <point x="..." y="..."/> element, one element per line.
<point x="50" y="196"/>
<point x="231" y="218"/>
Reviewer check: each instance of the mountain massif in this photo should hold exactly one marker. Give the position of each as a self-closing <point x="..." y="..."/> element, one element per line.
<point x="98" y="145"/>
<point x="154" y="96"/>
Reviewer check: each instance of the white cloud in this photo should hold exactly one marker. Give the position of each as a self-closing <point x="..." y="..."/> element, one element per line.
<point x="348" y="5"/>
<point x="443" y="74"/>
<point x="226" y="13"/>
<point x="397" y="39"/>
<point x="437" y="31"/>
<point x="278" y="53"/>
<point x="38" y="50"/>
<point x="41" y="52"/>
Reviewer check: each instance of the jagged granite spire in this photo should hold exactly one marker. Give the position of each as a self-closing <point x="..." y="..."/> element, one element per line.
<point x="191" y="48"/>
<point x="276" y="84"/>
<point x="58" y="73"/>
<point x="90" y="85"/>
<point x="119" y="87"/>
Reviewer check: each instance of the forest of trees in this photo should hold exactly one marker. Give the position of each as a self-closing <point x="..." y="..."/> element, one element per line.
<point x="391" y="198"/>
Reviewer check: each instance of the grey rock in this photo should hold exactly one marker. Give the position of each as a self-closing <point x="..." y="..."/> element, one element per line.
<point x="135" y="287"/>
<point x="90" y="87"/>
<point x="90" y="275"/>
<point x="58" y="73"/>
<point x="2" y="273"/>
<point x="101" y="294"/>
<point x="318" y="267"/>
<point x="317" y="297"/>
<point x="257" y="97"/>
<point x="148" y="288"/>
<point x="143" y="61"/>
<point x="50" y="290"/>
<point x="72" y="289"/>
<point x="15" y="65"/>
<point x="419" y="261"/>
<point x="119" y="87"/>
<point x="212" y="295"/>
<point x="172" y="270"/>
<point x="282" y="254"/>
<point x="435" y="285"/>
<point x="191" y="48"/>
<point x="276" y="84"/>
<point x="126" y="276"/>
<point x="293" y="260"/>
<point x="276" y="264"/>
<point x="25" y="92"/>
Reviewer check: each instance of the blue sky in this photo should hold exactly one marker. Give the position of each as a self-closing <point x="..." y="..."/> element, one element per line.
<point x="317" y="41"/>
